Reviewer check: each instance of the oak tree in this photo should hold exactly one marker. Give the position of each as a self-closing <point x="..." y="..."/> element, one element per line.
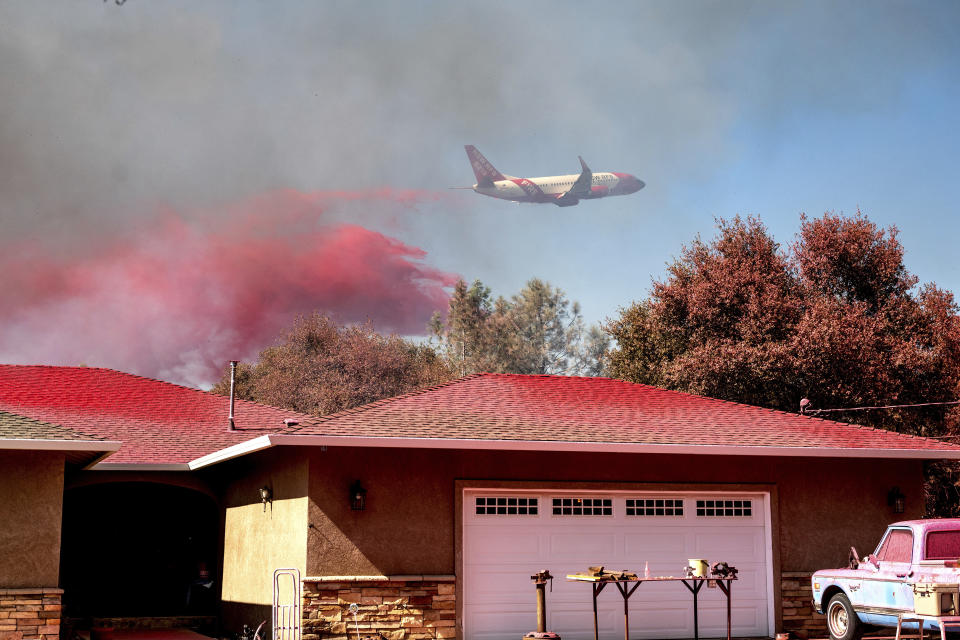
<point x="836" y="317"/>
<point x="320" y="367"/>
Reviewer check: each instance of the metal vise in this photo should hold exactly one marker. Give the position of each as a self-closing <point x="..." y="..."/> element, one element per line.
<point x="540" y="579"/>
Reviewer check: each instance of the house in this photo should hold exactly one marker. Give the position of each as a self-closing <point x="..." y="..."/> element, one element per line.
<point x="432" y="510"/>
<point x="99" y="501"/>
<point x="34" y="458"/>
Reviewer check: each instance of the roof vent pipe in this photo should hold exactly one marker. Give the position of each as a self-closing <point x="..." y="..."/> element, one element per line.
<point x="233" y="381"/>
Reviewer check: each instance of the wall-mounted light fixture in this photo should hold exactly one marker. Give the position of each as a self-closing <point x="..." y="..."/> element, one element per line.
<point x="358" y="497"/>
<point x="266" y="495"/>
<point x="896" y="500"/>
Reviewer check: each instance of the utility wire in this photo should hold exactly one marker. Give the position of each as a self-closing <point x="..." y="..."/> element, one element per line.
<point x="806" y="411"/>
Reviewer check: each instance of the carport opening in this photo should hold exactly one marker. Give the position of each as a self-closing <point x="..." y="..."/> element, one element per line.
<point x="139" y="549"/>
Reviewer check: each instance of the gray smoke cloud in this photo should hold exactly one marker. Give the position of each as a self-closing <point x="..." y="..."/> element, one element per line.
<point x="110" y="111"/>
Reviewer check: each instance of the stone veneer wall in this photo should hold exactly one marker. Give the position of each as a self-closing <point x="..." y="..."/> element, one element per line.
<point x="396" y="607"/>
<point x="799" y="617"/>
<point x="30" y="614"/>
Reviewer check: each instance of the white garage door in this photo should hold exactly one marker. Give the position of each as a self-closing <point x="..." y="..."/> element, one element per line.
<point x="509" y="536"/>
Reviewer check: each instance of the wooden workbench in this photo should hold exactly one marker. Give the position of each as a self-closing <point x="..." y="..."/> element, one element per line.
<point x="693" y="585"/>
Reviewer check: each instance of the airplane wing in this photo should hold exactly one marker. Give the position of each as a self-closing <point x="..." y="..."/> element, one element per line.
<point x="580" y="188"/>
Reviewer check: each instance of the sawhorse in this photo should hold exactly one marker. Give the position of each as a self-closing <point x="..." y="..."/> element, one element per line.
<point x="942" y="621"/>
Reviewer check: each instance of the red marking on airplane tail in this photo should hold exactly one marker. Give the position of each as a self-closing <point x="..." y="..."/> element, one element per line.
<point x="485" y="172"/>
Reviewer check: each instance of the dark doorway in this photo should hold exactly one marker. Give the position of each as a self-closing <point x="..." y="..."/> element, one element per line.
<point x="138" y="549"/>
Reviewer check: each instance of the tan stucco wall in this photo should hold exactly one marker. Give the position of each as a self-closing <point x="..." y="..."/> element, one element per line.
<point x="823" y="505"/>
<point x="256" y="541"/>
<point x="31" y="508"/>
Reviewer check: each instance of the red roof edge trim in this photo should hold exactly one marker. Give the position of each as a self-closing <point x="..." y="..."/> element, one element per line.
<point x="290" y="439"/>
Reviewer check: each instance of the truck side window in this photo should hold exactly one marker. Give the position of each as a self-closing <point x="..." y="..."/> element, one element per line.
<point x="898" y="547"/>
<point x="942" y="545"/>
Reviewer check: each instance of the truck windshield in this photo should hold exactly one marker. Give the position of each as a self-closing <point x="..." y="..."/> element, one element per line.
<point x="898" y="547"/>
<point x="942" y="545"/>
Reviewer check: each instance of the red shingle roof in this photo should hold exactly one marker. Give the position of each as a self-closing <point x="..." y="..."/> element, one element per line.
<point x="596" y="410"/>
<point x="163" y="423"/>
<point x="158" y="422"/>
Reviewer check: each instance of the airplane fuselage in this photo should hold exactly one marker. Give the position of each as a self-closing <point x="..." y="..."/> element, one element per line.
<point x="549" y="188"/>
<point x="563" y="191"/>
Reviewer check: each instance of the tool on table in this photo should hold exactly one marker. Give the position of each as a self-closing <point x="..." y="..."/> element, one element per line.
<point x="599" y="573"/>
<point x="723" y="570"/>
<point x="698" y="568"/>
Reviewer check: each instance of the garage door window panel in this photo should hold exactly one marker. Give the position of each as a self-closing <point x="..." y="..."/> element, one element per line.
<point x="725" y="508"/>
<point x="583" y="506"/>
<point x="654" y="507"/>
<point x="506" y="506"/>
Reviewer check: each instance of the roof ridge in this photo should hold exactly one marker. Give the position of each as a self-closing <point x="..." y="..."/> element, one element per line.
<point x="292" y="412"/>
<point x="107" y="369"/>
<point x="382" y="401"/>
<point x="744" y="404"/>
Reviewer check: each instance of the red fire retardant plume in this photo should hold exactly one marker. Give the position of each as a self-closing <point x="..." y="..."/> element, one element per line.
<point x="177" y="300"/>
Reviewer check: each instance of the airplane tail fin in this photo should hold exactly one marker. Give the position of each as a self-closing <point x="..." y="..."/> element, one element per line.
<point x="485" y="172"/>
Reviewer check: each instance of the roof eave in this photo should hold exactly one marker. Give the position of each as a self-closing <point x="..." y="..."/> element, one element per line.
<point x="34" y="444"/>
<point x="136" y="466"/>
<point x="268" y="441"/>
<point x="237" y="450"/>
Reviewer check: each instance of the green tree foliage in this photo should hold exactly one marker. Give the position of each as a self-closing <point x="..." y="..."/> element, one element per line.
<point x="536" y="331"/>
<point x="835" y="318"/>
<point x="321" y="367"/>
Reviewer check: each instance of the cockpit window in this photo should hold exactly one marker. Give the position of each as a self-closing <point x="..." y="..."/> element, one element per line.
<point x="942" y="545"/>
<point x="898" y="547"/>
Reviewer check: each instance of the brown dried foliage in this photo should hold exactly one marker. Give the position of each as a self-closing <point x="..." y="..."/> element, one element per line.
<point x="321" y="367"/>
<point x="837" y="319"/>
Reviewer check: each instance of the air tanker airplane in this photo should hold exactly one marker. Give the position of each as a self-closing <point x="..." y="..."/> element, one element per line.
<point x="563" y="191"/>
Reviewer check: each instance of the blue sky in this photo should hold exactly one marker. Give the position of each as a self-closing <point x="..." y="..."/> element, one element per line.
<point x="722" y="108"/>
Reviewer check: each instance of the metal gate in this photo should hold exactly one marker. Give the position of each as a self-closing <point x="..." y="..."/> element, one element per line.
<point x="286" y="604"/>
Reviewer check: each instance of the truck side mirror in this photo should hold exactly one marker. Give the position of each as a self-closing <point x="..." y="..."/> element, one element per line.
<point x="853" y="560"/>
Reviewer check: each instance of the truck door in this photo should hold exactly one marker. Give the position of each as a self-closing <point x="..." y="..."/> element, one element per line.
<point x="888" y="592"/>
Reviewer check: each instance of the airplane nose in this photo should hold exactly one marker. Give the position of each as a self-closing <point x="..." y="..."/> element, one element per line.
<point x="636" y="184"/>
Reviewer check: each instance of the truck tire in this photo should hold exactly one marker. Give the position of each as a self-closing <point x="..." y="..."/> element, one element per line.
<point x="842" y="620"/>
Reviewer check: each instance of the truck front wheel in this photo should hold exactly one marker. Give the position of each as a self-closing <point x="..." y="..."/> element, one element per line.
<point x="842" y="620"/>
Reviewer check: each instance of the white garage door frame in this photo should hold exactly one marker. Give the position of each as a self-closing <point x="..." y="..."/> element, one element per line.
<point x="467" y="489"/>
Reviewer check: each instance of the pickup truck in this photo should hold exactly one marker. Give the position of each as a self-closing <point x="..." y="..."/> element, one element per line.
<point x="876" y="589"/>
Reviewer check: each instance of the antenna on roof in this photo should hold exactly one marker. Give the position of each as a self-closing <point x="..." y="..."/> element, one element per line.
<point x="233" y="380"/>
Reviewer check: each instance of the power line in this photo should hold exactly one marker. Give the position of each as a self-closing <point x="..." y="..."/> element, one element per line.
<point x="805" y="411"/>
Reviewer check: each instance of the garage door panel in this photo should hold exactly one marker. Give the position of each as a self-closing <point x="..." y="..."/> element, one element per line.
<point x="489" y="625"/>
<point x="732" y="544"/>
<point x="713" y="620"/>
<point x="500" y="586"/>
<point x="488" y="547"/>
<point x="672" y="542"/>
<point x="668" y="622"/>
<point x="750" y="584"/>
<point x="595" y="545"/>
<point x="573" y="620"/>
